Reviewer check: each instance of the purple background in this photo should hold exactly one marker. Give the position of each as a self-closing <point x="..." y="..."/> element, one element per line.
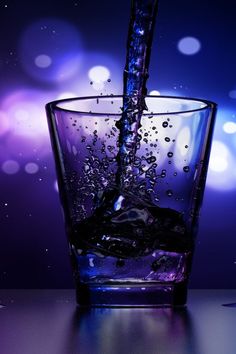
<point x="46" y="50"/>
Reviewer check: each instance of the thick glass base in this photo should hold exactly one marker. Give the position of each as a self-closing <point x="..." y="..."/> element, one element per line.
<point x="132" y="294"/>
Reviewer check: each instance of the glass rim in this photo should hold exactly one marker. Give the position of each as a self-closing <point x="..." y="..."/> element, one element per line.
<point x="54" y="105"/>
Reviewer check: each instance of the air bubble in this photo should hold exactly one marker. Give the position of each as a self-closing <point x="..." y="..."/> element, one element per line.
<point x="169" y="192"/>
<point x="186" y="168"/>
<point x="167" y="139"/>
<point x="170" y="154"/>
<point x="186" y="146"/>
<point x="165" y="124"/>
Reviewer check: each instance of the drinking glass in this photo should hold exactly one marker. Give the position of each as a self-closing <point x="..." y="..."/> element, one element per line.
<point x="131" y="234"/>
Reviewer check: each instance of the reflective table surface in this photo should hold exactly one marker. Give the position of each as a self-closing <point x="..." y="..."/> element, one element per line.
<point x="48" y="322"/>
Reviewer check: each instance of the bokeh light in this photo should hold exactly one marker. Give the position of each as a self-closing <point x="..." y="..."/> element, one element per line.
<point x="43" y="61"/>
<point x="221" y="172"/>
<point x="96" y="60"/>
<point x="232" y="94"/>
<point x="219" y="154"/>
<point x="189" y="45"/>
<point x="50" y="50"/>
<point x="99" y="73"/>
<point x="218" y="164"/>
<point x="229" y="127"/>
<point x="98" y="86"/>
<point x="23" y="125"/>
<point x="26" y="114"/>
<point x="10" y="167"/>
<point x="31" y="168"/>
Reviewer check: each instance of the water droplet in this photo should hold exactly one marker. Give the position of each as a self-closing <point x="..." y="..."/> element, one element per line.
<point x="169" y="192"/>
<point x="186" y="168"/>
<point x="165" y="124"/>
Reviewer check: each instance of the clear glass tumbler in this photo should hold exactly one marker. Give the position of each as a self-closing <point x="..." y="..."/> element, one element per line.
<point x="131" y="238"/>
